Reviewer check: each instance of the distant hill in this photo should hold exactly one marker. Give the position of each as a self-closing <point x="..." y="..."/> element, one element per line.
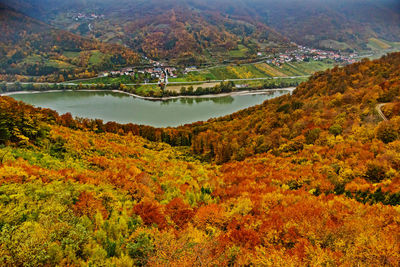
<point x="29" y="47"/>
<point x="337" y="24"/>
<point x="184" y="31"/>
<point x="197" y="30"/>
<point x="162" y="29"/>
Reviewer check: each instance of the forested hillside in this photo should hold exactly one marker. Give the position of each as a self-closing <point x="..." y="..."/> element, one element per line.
<point x="197" y="31"/>
<point x="30" y="49"/>
<point x="339" y="24"/>
<point x="340" y="101"/>
<point x="308" y="179"/>
<point x="184" y="31"/>
<point x="186" y="34"/>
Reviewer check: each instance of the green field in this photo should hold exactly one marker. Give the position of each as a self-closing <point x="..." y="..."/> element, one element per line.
<point x="332" y="44"/>
<point x="222" y="73"/>
<point x="273" y="83"/>
<point x="96" y="58"/>
<point x="71" y="54"/>
<point x="194" y="76"/>
<point x="313" y="66"/>
<point x="377" y="44"/>
<point x="238" y="53"/>
<point x="380" y="47"/>
<point x="269" y="70"/>
<point x="34" y="59"/>
<point x="125" y="79"/>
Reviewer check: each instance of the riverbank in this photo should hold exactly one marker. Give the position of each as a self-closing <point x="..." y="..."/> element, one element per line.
<point x="235" y="93"/>
<point x="122" y="108"/>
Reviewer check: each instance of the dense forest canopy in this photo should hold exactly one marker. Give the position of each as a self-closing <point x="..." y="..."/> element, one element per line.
<point x="307" y="179"/>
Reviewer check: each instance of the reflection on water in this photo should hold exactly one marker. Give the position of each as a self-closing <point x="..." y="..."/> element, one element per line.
<point x="191" y="101"/>
<point x="122" y="108"/>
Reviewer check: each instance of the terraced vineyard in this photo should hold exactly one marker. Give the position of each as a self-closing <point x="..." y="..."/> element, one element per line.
<point x="258" y="70"/>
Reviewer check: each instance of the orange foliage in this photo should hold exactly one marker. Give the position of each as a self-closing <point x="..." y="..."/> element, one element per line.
<point x="179" y="212"/>
<point x="88" y="205"/>
<point x="151" y="213"/>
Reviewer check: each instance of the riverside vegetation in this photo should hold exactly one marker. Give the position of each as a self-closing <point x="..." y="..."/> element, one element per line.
<point x="154" y="90"/>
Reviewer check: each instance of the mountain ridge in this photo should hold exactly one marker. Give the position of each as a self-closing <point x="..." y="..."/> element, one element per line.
<point x="336" y="25"/>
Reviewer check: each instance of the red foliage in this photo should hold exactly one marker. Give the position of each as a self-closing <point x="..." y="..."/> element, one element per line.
<point x="151" y="213"/>
<point x="247" y="238"/>
<point x="211" y="214"/>
<point x="179" y="212"/>
<point x="67" y="120"/>
<point x="88" y="205"/>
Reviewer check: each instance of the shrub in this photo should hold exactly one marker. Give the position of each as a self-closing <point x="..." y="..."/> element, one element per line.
<point x="386" y="132"/>
<point x="336" y="129"/>
<point x="375" y="173"/>
<point x="312" y="135"/>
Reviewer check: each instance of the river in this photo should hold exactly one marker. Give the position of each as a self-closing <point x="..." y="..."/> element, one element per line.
<point x="123" y="108"/>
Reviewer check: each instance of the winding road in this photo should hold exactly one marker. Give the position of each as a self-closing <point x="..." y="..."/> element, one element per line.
<point x="379" y="110"/>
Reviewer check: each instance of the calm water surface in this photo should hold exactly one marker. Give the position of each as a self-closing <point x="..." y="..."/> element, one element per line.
<point x="122" y="108"/>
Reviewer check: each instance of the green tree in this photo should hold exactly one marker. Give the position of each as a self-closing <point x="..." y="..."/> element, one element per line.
<point x="387" y="132"/>
<point x="312" y="135"/>
<point x="140" y="249"/>
<point x="183" y="90"/>
<point x="375" y="173"/>
<point x="3" y="87"/>
<point x="335" y="129"/>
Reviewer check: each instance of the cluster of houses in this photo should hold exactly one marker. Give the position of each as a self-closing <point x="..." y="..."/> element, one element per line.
<point x="189" y="69"/>
<point x="157" y="72"/>
<point x="240" y="86"/>
<point x="84" y="16"/>
<point x="303" y="53"/>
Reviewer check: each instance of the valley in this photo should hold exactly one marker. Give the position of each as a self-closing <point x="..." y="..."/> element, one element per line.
<point x="199" y="133"/>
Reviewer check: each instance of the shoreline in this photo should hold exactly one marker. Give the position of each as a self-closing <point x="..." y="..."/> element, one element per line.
<point x="237" y="93"/>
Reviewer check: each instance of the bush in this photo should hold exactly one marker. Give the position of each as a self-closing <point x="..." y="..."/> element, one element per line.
<point x="57" y="149"/>
<point x="312" y="135"/>
<point x="375" y="173"/>
<point x="5" y="134"/>
<point x="140" y="249"/>
<point x="284" y="108"/>
<point x="386" y="132"/>
<point x="336" y="129"/>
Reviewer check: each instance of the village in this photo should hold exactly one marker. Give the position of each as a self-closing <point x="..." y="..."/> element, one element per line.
<point x="303" y="53"/>
<point x="162" y="72"/>
<point x="86" y="16"/>
<point x="157" y="71"/>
